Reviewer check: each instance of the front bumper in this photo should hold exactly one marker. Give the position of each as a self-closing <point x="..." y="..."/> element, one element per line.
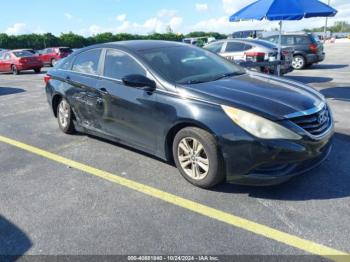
<point x="263" y="163"/>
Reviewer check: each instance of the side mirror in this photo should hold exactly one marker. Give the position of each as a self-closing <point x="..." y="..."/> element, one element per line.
<point x="139" y="81"/>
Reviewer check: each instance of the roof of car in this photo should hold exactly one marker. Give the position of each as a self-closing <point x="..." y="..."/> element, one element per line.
<point x="140" y="45"/>
<point x="19" y="50"/>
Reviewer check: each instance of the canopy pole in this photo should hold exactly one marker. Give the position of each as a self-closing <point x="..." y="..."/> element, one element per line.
<point x="279" y="49"/>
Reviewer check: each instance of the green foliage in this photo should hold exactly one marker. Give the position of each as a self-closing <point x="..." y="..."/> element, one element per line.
<point x="207" y="34"/>
<point x="72" y="40"/>
<point x="337" y="27"/>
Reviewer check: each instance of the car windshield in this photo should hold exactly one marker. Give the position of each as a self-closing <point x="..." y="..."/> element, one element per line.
<point x="22" y="53"/>
<point x="189" y="65"/>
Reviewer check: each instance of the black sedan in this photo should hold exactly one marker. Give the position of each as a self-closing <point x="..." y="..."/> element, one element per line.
<point x="214" y="119"/>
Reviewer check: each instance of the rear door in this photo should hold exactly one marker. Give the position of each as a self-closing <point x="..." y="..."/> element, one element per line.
<point x="83" y="80"/>
<point x="127" y="112"/>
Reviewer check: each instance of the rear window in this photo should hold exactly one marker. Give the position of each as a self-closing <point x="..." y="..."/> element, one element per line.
<point x="235" y="47"/>
<point x="65" y="50"/>
<point x="22" y="53"/>
<point x="263" y="43"/>
<point x="314" y="38"/>
<point x="215" y="47"/>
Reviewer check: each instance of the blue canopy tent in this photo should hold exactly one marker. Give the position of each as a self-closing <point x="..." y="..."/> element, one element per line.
<point x="279" y="10"/>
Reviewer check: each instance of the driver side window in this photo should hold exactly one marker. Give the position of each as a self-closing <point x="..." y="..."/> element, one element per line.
<point x="119" y="65"/>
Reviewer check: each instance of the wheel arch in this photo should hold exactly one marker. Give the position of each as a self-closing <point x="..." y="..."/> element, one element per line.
<point x="300" y="54"/>
<point x="169" y="138"/>
<point x="55" y="101"/>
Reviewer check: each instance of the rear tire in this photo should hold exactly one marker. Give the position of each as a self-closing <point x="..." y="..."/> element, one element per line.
<point x="14" y="70"/>
<point x="198" y="158"/>
<point x="299" y="62"/>
<point x="37" y="70"/>
<point x="65" y="117"/>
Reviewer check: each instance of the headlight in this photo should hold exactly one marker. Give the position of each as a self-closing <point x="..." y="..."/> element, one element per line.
<point x="259" y="126"/>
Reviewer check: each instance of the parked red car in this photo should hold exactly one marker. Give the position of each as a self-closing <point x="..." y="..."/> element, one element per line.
<point x="51" y="55"/>
<point x="16" y="61"/>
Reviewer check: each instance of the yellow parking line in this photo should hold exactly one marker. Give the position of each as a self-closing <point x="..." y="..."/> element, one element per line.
<point x="204" y="210"/>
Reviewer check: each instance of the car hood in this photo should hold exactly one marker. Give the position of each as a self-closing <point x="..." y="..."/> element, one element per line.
<point x="265" y="95"/>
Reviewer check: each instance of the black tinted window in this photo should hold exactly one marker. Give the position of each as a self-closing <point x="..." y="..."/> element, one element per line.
<point x="87" y="62"/>
<point x="287" y="40"/>
<point x="247" y="47"/>
<point x="300" y="40"/>
<point x="119" y="65"/>
<point x="65" y="50"/>
<point x="235" y="47"/>
<point x="215" y="47"/>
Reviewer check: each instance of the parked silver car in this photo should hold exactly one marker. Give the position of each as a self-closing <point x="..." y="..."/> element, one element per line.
<point x="255" y="54"/>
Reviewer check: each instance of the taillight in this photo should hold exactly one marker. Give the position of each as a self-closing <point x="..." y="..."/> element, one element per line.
<point x="313" y="48"/>
<point x="47" y="78"/>
<point x="23" y="60"/>
<point x="255" y="56"/>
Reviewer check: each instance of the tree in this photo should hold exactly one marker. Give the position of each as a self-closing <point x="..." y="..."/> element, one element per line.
<point x="72" y="40"/>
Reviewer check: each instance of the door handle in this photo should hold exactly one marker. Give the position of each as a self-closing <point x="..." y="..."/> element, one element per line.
<point x="103" y="90"/>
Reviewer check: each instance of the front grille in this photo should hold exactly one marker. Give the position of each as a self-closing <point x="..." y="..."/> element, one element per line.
<point x="317" y="123"/>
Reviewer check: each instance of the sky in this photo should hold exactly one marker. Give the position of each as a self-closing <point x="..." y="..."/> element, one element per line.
<point x="90" y="17"/>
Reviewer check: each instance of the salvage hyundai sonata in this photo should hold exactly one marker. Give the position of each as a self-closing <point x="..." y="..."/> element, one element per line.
<point x="214" y="119"/>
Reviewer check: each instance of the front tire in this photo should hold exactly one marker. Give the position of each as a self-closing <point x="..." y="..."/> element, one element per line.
<point x="64" y="117"/>
<point x="299" y="62"/>
<point x="197" y="157"/>
<point x="37" y="70"/>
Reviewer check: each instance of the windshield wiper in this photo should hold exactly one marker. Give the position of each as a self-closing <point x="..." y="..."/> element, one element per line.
<point x="191" y="82"/>
<point x="227" y="75"/>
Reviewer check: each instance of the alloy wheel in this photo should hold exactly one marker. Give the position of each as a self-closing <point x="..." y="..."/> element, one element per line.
<point x="193" y="158"/>
<point x="63" y="113"/>
<point x="298" y="62"/>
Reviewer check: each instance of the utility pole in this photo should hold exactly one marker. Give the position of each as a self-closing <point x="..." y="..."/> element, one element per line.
<point x="325" y="26"/>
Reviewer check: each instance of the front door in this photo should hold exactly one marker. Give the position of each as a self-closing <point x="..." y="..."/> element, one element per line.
<point x="127" y="113"/>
